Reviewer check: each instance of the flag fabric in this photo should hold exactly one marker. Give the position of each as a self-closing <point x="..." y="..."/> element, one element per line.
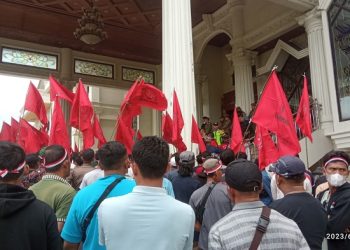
<point x="273" y="113"/>
<point x="14" y="129"/>
<point x="151" y="97"/>
<point x="167" y="127"/>
<point x="178" y="122"/>
<point x="139" y="135"/>
<point x="58" y="131"/>
<point x="196" y="136"/>
<point x="180" y="145"/>
<point x="32" y="140"/>
<point x="128" y="109"/>
<point x="268" y="152"/>
<point x="88" y="138"/>
<point x="5" y="134"/>
<point x="125" y="135"/>
<point x="60" y="91"/>
<point x="34" y="103"/>
<point x="98" y="133"/>
<point x="303" y="118"/>
<point x="236" y="135"/>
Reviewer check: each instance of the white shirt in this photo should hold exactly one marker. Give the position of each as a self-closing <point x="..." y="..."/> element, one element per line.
<point x="146" y="218"/>
<point x="91" y="177"/>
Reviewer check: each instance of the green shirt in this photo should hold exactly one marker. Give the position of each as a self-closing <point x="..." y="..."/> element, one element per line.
<point x="56" y="192"/>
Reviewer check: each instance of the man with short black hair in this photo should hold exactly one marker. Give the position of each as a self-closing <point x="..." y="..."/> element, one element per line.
<point x="53" y="188"/>
<point x="236" y="230"/>
<point x="78" y="172"/>
<point x="336" y="199"/>
<point x="114" y="160"/>
<point x="297" y="204"/>
<point x="142" y="219"/>
<point x="25" y="222"/>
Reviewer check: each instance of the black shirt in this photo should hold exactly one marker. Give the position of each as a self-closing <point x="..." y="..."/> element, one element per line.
<point x="25" y="222"/>
<point x="308" y="213"/>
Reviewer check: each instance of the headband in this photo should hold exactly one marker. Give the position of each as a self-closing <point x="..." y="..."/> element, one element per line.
<point x="336" y="159"/>
<point x="55" y="163"/>
<point x="4" y="172"/>
<point x="217" y="167"/>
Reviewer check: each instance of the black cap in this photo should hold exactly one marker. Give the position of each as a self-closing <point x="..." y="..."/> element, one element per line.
<point x="243" y="175"/>
<point x="288" y="166"/>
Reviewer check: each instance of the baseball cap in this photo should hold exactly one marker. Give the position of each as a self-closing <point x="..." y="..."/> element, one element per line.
<point x="288" y="166"/>
<point x="187" y="157"/>
<point x="211" y="165"/>
<point x="243" y="175"/>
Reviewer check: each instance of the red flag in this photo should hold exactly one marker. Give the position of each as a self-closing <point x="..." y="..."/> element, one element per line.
<point x="273" y="113"/>
<point x="125" y="135"/>
<point x="88" y="138"/>
<point x="151" y="97"/>
<point x="236" y="136"/>
<point x="32" y="140"/>
<point x="167" y="127"/>
<point x="138" y="135"/>
<point x="180" y="145"/>
<point x="98" y="133"/>
<point x="268" y="152"/>
<point x="82" y="110"/>
<point x="5" y="134"/>
<point x="303" y="118"/>
<point x="196" y="136"/>
<point x="127" y="109"/>
<point x="34" y="103"/>
<point x="58" y="90"/>
<point x="14" y="129"/>
<point x="58" y="131"/>
<point x="178" y="122"/>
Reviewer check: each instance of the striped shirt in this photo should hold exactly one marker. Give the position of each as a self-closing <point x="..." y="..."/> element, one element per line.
<point x="236" y="230"/>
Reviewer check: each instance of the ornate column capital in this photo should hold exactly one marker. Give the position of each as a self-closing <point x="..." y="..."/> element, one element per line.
<point x="242" y="56"/>
<point x="311" y="20"/>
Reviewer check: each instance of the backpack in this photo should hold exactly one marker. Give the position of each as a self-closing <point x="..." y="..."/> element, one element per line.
<point x="200" y="208"/>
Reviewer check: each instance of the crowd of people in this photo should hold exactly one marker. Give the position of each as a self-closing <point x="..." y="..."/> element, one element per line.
<point x="153" y="200"/>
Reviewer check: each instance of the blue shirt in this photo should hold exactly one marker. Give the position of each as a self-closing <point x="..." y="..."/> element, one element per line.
<point x="144" y="219"/>
<point x="168" y="187"/>
<point x="83" y="203"/>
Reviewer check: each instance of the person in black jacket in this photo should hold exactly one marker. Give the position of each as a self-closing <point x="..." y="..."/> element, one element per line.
<point x="336" y="200"/>
<point x="25" y="222"/>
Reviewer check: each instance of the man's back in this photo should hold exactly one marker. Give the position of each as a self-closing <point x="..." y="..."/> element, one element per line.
<point x="78" y="173"/>
<point x="184" y="186"/>
<point x="83" y="203"/>
<point x="144" y="219"/>
<point x="308" y="213"/>
<point x="26" y="223"/>
<point x="236" y="230"/>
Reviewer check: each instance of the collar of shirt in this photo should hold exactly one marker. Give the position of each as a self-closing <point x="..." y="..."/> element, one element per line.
<point x="55" y="177"/>
<point x="149" y="190"/>
<point x="248" y="205"/>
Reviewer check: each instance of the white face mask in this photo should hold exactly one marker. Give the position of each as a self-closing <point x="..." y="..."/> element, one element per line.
<point x="336" y="180"/>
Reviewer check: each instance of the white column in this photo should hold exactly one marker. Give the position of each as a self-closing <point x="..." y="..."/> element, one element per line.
<point x="178" y="70"/>
<point x="313" y="25"/>
<point x="242" y="66"/>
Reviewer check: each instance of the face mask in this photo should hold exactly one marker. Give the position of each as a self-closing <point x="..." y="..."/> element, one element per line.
<point x="336" y="180"/>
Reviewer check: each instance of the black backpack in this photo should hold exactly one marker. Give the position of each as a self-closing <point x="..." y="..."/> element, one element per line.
<point x="200" y="208"/>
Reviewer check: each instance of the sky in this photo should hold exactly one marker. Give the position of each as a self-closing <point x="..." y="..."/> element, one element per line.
<point x="13" y="90"/>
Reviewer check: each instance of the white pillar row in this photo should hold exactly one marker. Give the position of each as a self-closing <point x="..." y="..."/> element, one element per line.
<point x="178" y="69"/>
<point x="242" y="66"/>
<point x="313" y="26"/>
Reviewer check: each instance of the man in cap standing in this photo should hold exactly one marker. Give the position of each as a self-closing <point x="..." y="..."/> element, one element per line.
<point x="237" y="229"/>
<point x="297" y="204"/>
<point x="214" y="197"/>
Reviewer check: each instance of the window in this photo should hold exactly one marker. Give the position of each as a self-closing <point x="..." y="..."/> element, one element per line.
<point x="93" y="68"/>
<point x="131" y="74"/>
<point x="339" y="24"/>
<point x="28" y="58"/>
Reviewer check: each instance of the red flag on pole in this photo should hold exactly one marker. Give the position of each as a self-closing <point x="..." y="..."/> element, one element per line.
<point x="127" y="108"/>
<point x="32" y="139"/>
<point x="125" y="135"/>
<point x="268" y="152"/>
<point x="58" y="90"/>
<point x="236" y="135"/>
<point x="98" y="133"/>
<point x="58" y="131"/>
<point x="167" y="127"/>
<point x="14" y="129"/>
<point x="196" y="136"/>
<point x="178" y="122"/>
<point x="151" y="97"/>
<point x="5" y="134"/>
<point x="273" y="113"/>
<point x="303" y="118"/>
<point x="34" y="103"/>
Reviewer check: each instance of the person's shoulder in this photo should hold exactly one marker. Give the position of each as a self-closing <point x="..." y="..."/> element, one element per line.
<point x="42" y="208"/>
<point x="279" y="220"/>
<point x="223" y="223"/>
<point x="179" y="207"/>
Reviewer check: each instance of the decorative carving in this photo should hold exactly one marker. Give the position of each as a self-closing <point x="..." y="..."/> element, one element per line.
<point x="208" y="20"/>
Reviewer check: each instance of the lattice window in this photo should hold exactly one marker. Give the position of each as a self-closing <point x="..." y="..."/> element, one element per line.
<point x="93" y="68"/>
<point x="28" y="58"/>
<point x="131" y="74"/>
